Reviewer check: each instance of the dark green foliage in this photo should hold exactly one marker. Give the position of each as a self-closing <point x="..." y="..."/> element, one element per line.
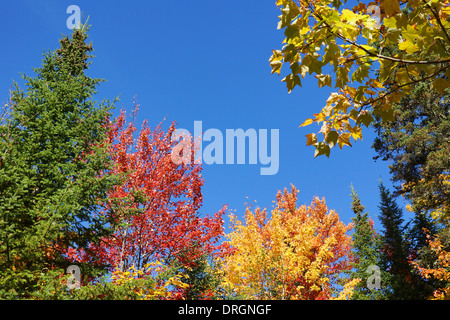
<point x="417" y="144"/>
<point x="394" y="257"/>
<point x="53" y="154"/>
<point x="404" y="281"/>
<point x="420" y="226"/>
<point x="201" y="280"/>
<point x="366" y="250"/>
<point x="204" y="276"/>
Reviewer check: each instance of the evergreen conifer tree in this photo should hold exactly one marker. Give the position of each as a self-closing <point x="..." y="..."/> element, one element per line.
<point x="395" y="253"/>
<point x="53" y="157"/>
<point x="366" y="251"/>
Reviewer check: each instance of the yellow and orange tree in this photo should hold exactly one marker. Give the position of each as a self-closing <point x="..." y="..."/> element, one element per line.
<point x="299" y="253"/>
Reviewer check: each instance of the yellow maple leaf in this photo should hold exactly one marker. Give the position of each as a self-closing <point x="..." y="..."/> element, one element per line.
<point x="408" y="46"/>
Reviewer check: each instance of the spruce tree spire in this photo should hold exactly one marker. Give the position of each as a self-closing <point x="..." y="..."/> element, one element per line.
<point x="365" y="250"/>
<point x="73" y="54"/>
<point x="357" y="207"/>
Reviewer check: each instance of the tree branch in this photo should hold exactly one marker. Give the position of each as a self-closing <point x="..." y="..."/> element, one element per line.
<point x="379" y="56"/>
<point x="436" y="16"/>
<point x="401" y="86"/>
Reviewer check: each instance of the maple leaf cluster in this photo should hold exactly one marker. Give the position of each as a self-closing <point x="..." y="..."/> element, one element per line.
<point x="372" y="55"/>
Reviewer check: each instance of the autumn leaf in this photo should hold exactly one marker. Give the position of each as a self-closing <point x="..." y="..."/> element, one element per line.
<point x="322" y="148"/>
<point x="344" y="139"/>
<point x="332" y="138"/>
<point x="440" y="84"/>
<point x="390" y="7"/>
<point x="307" y="122"/>
<point x="408" y="46"/>
<point x="324" y="80"/>
<point x="311" y="139"/>
<point x="292" y="81"/>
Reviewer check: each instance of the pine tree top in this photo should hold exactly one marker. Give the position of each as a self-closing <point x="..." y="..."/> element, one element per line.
<point x="73" y="53"/>
<point x="357" y="207"/>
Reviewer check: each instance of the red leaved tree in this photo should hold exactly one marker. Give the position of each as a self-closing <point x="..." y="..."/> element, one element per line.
<point x="155" y="209"/>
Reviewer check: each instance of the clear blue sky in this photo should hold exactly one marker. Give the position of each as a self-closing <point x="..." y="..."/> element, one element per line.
<point x="208" y="61"/>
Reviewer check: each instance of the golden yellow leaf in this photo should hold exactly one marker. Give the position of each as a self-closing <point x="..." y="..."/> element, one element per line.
<point x="408" y="46"/>
<point x="307" y="122"/>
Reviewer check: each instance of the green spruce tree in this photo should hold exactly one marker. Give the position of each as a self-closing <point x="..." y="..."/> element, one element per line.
<point x="395" y="253"/>
<point x="366" y="252"/>
<point x="53" y="154"/>
<point x="420" y="226"/>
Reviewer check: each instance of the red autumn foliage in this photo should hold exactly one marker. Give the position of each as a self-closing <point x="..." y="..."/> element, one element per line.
<point x="156" y="207"/>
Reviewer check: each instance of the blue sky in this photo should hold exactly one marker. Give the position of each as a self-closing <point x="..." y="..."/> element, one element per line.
<point x="199" y="60"/>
